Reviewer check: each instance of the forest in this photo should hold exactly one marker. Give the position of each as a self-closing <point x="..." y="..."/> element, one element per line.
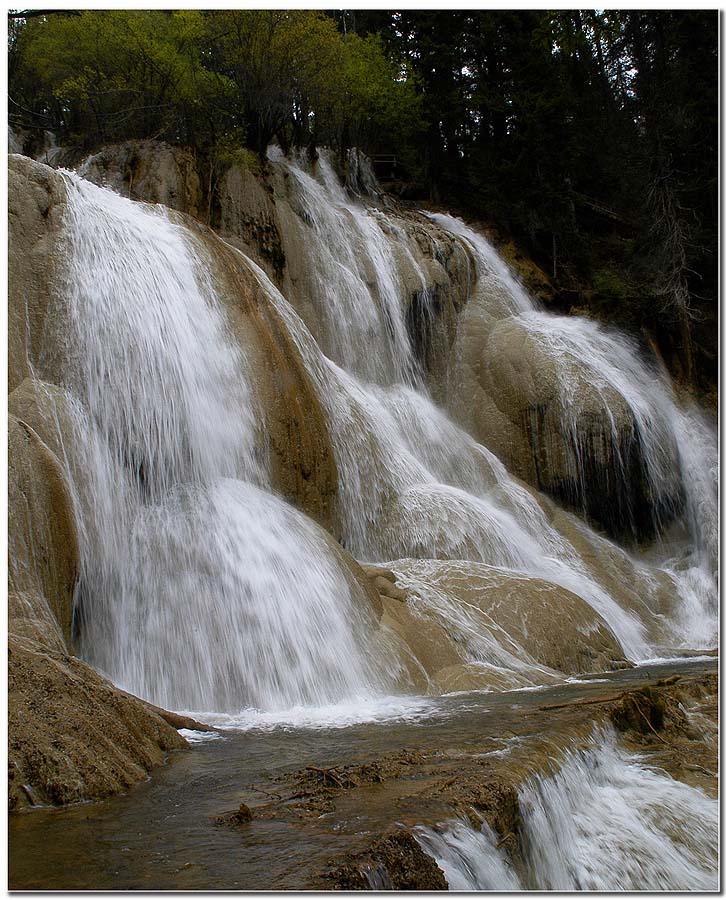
<point x="589" y="138"/>
<point x="363" y="450"/>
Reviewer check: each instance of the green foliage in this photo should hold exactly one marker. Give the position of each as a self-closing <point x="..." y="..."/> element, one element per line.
<point x="376" y="95"/>
<point x="590" y="136"/>
<point x="211" y="79"/>
<point x="610" y="285"/>
<point x="120" y="73"/>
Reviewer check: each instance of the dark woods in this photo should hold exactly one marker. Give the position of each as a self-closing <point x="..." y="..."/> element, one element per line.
<point x="589" y="137"/>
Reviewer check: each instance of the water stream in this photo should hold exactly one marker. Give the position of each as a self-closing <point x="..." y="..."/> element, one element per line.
<point x="202" y="589"/>
<point x="600" y="818"/>
<point x="605" y="821"/>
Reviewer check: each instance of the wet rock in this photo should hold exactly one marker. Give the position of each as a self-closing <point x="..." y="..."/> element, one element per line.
<point x="292" y="425"/>
<point x="43" y="559"/>
<point x="558" y="426"/>
<point x="176" y="720"/>
<point x="389" y="589"/>
<point x="395" y="863"/>
<point x="543" y="626"/>
<point x="238" y="817"/>
<point x="152" y="171"/>
<point x="374" y="572"/>
<point x="36" y="203"/>
<point x="72" y="736"/>
<point x="641" y="711"/>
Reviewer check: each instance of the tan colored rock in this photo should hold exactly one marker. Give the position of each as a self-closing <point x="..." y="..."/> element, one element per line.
<point x="36" y="202"/>
<point x="428" y="641"/>
<point x="151" y="171"/>
<point x="248" y="217"/>
<point x="72" y="735"/>
<point x="388" y="589"/>
<point x="47" y="409"/>
<point x="533" y="629"/>
<point x="43" y="542"/>
<point x="292" y="423"/>
<point x="478" y="677"/>
<point x="519" y="397"/>
<point x="374" y="571"/>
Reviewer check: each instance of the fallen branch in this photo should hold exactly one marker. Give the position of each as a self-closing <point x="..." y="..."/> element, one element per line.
<point x="326" y="773"/>
<point x="648" y="722"/>
<point x="581" y="702"/>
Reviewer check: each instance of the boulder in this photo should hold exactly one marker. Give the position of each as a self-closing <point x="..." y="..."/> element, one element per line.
<point x="73" y="736"/>
<point x="558" y="426"/>
<point x="470" y="625"/>
<point x="152" y="171"/>
<point x="42" y="540"/>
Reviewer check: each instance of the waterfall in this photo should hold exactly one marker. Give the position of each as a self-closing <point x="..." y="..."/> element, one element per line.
<point x="202" y="589"/>
<point x="413" y="483"/>
<point x="199" y="589"/>
<point x="676" y="443"/>
<point x="604" y="821"/>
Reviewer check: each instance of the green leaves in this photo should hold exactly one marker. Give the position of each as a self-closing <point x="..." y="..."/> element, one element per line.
<point x="209" y="77"/>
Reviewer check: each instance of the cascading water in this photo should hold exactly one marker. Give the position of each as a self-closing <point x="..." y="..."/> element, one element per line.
<point x="199" y="589"/>
<point x="353" y="278"/>
<point x="414" y="484"/>
<point x="603" y="822"/>
<point x="675" y="444"/>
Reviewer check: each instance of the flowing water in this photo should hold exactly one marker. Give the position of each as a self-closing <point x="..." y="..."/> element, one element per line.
<point x="603" y="822"/>
<point x="202" y="589"/>
<point x="600" y="818"/>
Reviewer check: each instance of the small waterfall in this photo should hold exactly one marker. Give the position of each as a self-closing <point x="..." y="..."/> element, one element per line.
<point x="199" y="589"/>
<point x="675" y="445"/>
<point x="350" y="274"/>
<point x="595" y="372"/>
<point x="604" y="822"/>
<point x="414" y="484"/>
<point x="469" y="858"/>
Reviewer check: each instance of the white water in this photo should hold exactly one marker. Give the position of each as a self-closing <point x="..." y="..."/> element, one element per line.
<point x="677" y="443"/>
<point x="603" y="822"/>
<point x="353" y="277"/>
<point x="202" y="590"/>
<point x="414" y="484"/>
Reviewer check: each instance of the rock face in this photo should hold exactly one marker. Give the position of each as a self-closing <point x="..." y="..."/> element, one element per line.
<point x="471" y="626"/>
<point x="72" y="735"/>
<point x="547" y="417"/>
<point x="43" y="544"/>
<point x="292" y="425"/>
<point x="394" y="863"/>
<point x="36" y="199"/>
<point x="245" y="215"/>
<point x="148" y="170"/>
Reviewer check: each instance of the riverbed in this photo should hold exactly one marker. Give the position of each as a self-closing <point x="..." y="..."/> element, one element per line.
<point x="165" y="834"/>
